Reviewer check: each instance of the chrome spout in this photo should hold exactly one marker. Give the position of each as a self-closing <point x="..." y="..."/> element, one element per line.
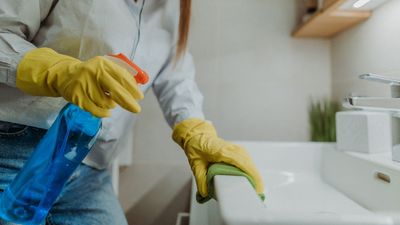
<point x="375" y="103"/>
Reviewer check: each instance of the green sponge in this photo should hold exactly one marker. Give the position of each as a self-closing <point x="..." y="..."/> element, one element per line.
<point x="222" y="169"/>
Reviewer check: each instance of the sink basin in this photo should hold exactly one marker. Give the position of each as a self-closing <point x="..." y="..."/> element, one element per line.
<point x="311" y="183"/>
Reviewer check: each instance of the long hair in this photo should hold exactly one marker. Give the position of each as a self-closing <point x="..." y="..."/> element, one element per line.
<point x="184" y="25"/>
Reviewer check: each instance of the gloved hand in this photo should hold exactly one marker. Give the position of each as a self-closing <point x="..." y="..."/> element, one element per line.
<point x="203" y="147"/>
<point x="44" y="72"/>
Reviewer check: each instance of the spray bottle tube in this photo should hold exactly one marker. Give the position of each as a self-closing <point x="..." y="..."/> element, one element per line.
<point x="29" y="197"/>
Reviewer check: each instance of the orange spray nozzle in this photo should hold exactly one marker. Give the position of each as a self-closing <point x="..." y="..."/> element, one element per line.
<point x="141" y="77"/>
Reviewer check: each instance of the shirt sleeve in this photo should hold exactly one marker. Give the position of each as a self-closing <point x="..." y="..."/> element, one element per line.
<point x="20" y="20"/>
<point x="177" y="92"/>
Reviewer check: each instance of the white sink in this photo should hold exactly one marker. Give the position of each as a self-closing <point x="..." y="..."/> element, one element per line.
<point x="310" y="184"/>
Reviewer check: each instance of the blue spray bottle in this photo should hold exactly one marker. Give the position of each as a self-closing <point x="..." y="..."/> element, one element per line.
<point x="31" y="194"/>
<point x="29" y="197"/>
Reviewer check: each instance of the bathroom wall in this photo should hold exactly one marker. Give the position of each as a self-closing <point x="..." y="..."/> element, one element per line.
<point x="254" y="75"/>
<point x="372" y="47"/>
<point x="257" y="81"/>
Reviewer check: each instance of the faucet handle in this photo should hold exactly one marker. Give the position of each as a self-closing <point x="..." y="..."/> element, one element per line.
<point x="382" y="79"/>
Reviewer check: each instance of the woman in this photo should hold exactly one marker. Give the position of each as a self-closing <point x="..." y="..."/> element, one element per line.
<point x="51" y="48"/>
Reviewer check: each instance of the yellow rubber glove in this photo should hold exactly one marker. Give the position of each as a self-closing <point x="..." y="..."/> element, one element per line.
<point x="203" y="147"/>
<point x="44" y="72"/>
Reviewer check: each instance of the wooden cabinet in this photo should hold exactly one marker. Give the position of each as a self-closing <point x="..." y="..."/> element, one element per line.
<point x="330" y="21"/>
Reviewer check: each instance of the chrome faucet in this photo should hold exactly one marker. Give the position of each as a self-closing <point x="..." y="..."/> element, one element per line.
<point x="391" y="104"/>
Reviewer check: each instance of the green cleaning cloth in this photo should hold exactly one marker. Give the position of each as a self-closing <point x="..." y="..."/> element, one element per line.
<point x="222" y="169"/>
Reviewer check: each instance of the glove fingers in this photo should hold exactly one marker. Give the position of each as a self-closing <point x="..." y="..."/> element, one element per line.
<point x="92" y="100"/>
<point x="238" y="157"/>
<point x="101" y="99"/>
<point x="199" y="169"/>
<point x="125" y="79"/>
<point x="91" y="107"/>
<point x="120" y="95"/>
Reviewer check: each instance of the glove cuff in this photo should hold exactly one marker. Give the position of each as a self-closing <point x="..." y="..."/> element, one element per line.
<point x="189" y="128"/>
<point x="34" y="73"/>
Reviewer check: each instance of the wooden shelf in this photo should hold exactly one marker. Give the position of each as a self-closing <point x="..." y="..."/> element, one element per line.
<point x="331" y="21"/>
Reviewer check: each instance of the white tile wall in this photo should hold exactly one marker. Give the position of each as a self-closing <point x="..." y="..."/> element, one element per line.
<point x="373" y="46"/>
<point x="257" y="79"/>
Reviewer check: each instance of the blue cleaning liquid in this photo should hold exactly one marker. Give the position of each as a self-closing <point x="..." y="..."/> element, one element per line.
<point x="29" y="197"/>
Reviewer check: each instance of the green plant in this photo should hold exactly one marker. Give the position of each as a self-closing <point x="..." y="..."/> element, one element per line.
<point x="322" y="120"/>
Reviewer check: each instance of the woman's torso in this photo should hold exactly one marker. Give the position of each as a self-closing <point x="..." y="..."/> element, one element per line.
<point x="144" y="31"/>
